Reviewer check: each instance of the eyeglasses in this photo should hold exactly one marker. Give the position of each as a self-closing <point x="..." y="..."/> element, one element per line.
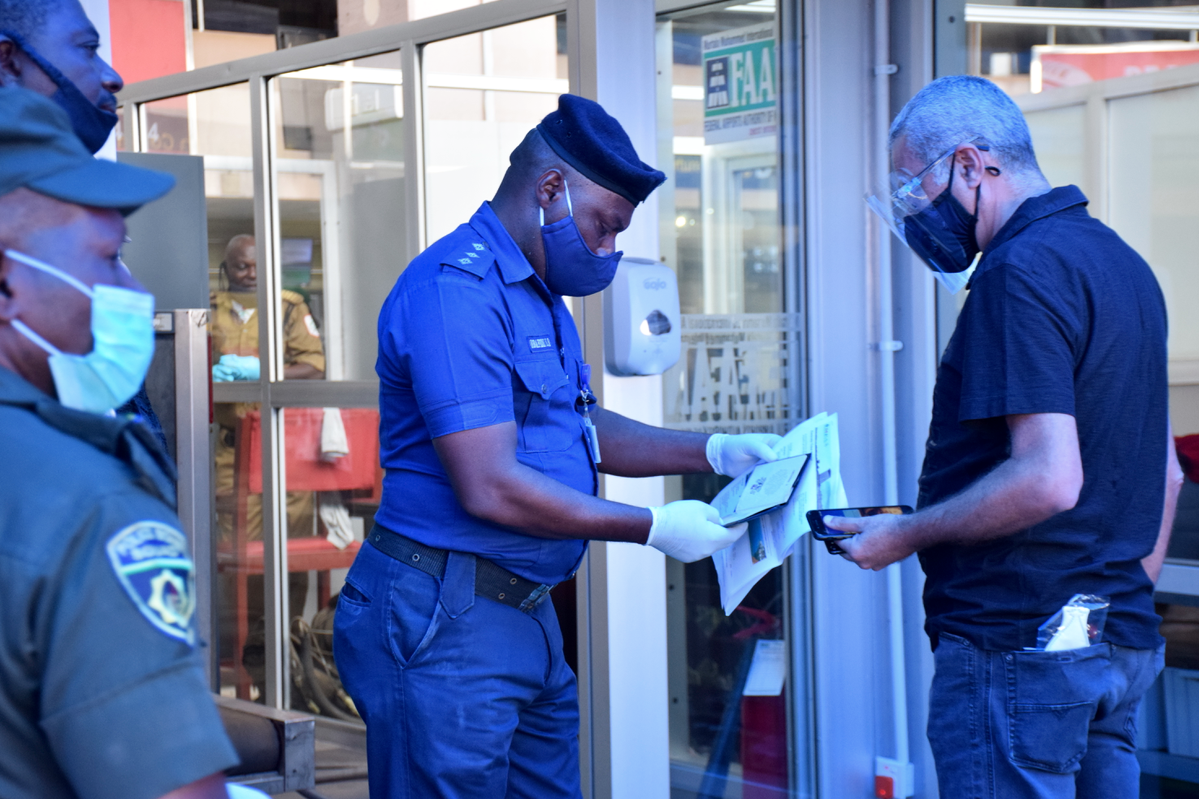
<point x="907" y="192"/>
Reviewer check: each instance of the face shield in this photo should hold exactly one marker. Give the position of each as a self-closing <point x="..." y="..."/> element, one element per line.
<point x="938" y="229"/>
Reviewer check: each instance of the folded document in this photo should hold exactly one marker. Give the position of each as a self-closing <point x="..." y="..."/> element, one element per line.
<point x="772" y="536"/>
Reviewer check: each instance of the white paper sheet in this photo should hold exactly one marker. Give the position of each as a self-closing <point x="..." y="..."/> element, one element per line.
<point x="772" y="537"/>
<point x="768" y="671"/>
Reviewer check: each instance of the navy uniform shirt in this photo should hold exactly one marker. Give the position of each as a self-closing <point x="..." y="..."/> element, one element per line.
<point x="471" y="337"/>
<point x="101" y="693"/>
<point x="1062" y="317"/>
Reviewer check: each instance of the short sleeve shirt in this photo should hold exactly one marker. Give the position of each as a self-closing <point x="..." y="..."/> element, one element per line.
<point x="470" y="337"/>
<point x="234" y="327"/>
<point x="102" y="695"/>
<point x="1062" y="317"/>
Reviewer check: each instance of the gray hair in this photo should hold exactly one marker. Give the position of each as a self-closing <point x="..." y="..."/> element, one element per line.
<point x="26" y="18"/>
<point x="962" y="108"/>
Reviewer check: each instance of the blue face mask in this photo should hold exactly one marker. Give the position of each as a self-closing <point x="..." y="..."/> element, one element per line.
<point x="91" y="123"/>
<point x="571" y="268"/>
<point x="123" y="345"/>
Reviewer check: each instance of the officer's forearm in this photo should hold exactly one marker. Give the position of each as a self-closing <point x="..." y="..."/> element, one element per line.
<point x="491" y="484"/>
<point x="633" y="449"/>
<point x="302" y="371"/>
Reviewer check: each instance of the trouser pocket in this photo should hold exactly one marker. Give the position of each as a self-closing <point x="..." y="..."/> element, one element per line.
<point x="413" y="613"/>
<point x="1052" y="697"/>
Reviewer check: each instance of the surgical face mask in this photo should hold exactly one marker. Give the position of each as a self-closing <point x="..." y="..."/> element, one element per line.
<point x="123" y="345"/>
<point x="91" y="123"/>
<point x="939" y="230"/>
<point x="943" y="234"/>
<point x="571" y="268"/>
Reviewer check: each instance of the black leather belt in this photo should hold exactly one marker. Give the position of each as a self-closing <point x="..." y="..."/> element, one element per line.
<point x="491" y="581"/>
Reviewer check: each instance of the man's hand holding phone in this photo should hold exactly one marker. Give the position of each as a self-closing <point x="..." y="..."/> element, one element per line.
<point x="874" y="537"/>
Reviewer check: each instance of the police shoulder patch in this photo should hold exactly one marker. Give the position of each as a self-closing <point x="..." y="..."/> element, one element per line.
<point x="472" y="257"/>
<point x="153" y="563"/>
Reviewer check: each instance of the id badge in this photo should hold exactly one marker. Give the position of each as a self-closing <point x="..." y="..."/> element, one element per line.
<point x="592" y="436"/>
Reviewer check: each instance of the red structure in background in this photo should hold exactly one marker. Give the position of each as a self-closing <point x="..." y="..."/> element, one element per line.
<point x="1074" y="65"/>
<point x="148" y="38"/>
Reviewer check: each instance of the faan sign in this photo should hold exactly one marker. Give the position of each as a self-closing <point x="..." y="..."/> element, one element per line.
<point x="734" y="375"/>
<point x="740" y="84"/>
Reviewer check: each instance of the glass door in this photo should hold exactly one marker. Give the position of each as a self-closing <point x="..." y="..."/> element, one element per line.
<point x="739" y="372"/>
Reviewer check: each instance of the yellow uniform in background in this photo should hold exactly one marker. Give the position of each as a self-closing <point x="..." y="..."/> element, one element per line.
<point x="233" y="324"/>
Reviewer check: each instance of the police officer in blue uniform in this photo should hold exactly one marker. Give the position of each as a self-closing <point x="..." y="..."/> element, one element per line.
<point x="492" y="441"/>
<point x="101" y="692"/>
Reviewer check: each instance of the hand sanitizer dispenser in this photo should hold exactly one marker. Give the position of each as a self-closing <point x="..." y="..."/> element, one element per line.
<point x="641" y="319"/>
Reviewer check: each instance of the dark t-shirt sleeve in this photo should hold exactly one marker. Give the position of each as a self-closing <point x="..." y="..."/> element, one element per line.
<point x="1021" y="352"/>
<point x="124" y="706"/>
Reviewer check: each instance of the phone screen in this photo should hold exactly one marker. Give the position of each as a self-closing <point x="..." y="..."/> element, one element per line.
<point x="816" y="518"/>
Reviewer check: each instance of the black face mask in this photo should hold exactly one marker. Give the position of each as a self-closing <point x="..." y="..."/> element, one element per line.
<point x="91" y="123"/>
<point x="943" y="233"/>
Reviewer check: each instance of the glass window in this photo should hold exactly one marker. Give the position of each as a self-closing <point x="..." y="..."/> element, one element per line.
<point x="334" y="484"/>
<point x="483" y="93"/>
<point x="215" y="125"/>
<point x="290" y="24"/>
<point x="226" y="30"/>
<point x="331" y="460"/>
<point x="339" y="172"/>
<point x="738" y="373"/>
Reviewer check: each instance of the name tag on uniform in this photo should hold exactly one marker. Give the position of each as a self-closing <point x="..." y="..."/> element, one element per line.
<point x="540" y="343"/>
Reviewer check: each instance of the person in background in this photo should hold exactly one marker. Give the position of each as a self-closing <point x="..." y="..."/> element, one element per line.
<point x="1049" y="470"/>
<point x="102" y="694"/>
<point x="233" y="325"/>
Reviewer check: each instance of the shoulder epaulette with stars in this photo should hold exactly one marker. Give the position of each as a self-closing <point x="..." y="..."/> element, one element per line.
<point x="474" y="258"/>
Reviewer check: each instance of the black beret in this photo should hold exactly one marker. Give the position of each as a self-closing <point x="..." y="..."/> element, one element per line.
<point x="585" y="136"/>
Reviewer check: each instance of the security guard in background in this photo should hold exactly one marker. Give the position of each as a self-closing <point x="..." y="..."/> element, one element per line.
<point x="233" y="325"/>
<point x="101" y="692"/>
<point x="492" y="443"/>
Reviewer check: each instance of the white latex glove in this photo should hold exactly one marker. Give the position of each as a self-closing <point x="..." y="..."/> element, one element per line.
<point x="689" y="530"/>
<point x="733" y="456"/>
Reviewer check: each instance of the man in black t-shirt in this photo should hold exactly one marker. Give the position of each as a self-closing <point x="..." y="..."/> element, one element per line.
<point x="1049" y="469"/>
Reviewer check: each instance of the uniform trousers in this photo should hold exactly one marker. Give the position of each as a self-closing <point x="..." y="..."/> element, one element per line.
<point x="463" y="697"/>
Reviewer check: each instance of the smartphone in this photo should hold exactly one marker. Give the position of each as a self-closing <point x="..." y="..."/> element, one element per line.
<point x="830" y="537"/>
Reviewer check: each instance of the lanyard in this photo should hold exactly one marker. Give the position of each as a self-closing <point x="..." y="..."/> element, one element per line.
<point x="586" y="398"/>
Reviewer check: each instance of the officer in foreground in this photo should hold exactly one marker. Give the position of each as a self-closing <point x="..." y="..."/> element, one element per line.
<point x="444" y="636"/>
<point x="50" y="47"/>
<point x="101" y="692"/>
<point x="1049" y="471"/>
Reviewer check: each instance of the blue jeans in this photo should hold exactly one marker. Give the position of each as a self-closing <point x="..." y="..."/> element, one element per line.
<point x="1043" y="725"/>
<point x="462" y="696"/>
